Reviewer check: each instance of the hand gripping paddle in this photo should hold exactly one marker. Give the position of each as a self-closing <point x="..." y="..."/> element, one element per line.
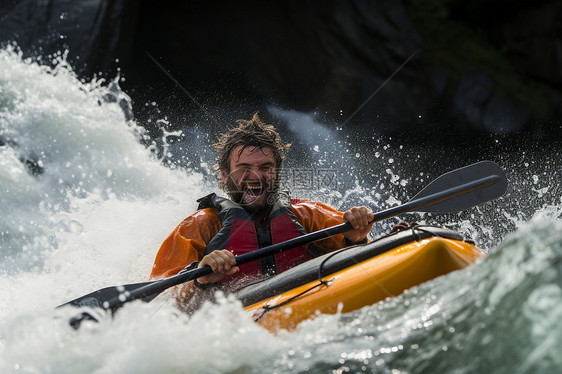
<point x="452" y="192"/>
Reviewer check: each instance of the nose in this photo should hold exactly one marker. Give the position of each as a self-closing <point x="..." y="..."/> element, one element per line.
<point x="253" y="174"/>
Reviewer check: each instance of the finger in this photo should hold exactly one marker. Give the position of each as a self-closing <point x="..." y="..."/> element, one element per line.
<point x="209" y="261"/>
<point x="370" y="216"/>
<point x="364" y="216"/>
<point x="224" y="258"/>
<point x="229" y="257"/>
<point x="215" y="261"/>
<point x="350" y="217"/>
<point x="358" y="217"/>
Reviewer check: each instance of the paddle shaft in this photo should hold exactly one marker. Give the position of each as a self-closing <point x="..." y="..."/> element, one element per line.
<point x="413" y="205"/>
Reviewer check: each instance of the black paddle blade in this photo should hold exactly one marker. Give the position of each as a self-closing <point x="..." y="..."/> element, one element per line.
<point x="97" y="298"/>
<point x="477" y="183"/>
<point x="452" y="192"/>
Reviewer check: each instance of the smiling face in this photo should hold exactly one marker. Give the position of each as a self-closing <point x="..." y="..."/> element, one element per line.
<point x="252" y="178"/>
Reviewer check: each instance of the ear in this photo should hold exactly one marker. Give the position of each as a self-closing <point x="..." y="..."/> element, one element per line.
<point x="224" y="176"/>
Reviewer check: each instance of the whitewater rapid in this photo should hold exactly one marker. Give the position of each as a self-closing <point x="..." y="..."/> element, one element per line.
<point x="87" y="200"/>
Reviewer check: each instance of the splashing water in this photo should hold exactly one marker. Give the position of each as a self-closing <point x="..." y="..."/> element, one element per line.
<point x="83" y="154"/>
<point x="86" y="205"/>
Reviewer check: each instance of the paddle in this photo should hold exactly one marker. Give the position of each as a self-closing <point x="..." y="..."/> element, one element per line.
<point x="452" y="192"/>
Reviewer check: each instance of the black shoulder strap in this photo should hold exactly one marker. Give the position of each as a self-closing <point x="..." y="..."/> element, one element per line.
<point x="206" y="201"/>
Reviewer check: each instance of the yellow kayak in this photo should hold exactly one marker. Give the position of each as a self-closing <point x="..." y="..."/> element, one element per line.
<point x="354" y="277"/>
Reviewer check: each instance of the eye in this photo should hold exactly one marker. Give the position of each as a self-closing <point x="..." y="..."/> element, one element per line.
<point x="242" y="169"/>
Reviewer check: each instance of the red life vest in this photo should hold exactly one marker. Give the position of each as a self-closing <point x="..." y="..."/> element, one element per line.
<point x="239" y="234"/>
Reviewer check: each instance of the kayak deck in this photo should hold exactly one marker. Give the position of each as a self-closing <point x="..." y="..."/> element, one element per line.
<point x="357" y="276"/>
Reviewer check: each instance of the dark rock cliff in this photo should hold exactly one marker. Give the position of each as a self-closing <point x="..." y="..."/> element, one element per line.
<point x="454" y="66"/>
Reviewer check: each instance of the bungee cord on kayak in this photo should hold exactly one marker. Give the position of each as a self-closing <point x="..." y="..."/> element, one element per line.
<point x="452" y="192"/>
<point x="414" y="230"/>
<point x="108" y="114"/>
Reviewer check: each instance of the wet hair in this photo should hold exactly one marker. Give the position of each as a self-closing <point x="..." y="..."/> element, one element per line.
<point x="252" y="133"/>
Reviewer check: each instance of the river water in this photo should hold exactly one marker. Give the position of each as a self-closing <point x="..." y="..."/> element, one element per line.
<point x="87" y="198"/>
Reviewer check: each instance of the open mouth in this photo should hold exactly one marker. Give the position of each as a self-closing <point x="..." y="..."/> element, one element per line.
<point x="255" y="189"/>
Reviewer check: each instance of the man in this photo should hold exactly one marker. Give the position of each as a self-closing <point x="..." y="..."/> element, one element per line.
<point x="257" y="214"/>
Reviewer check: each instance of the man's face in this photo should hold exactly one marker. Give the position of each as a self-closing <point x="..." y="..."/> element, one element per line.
<point x="252" y="177"/>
